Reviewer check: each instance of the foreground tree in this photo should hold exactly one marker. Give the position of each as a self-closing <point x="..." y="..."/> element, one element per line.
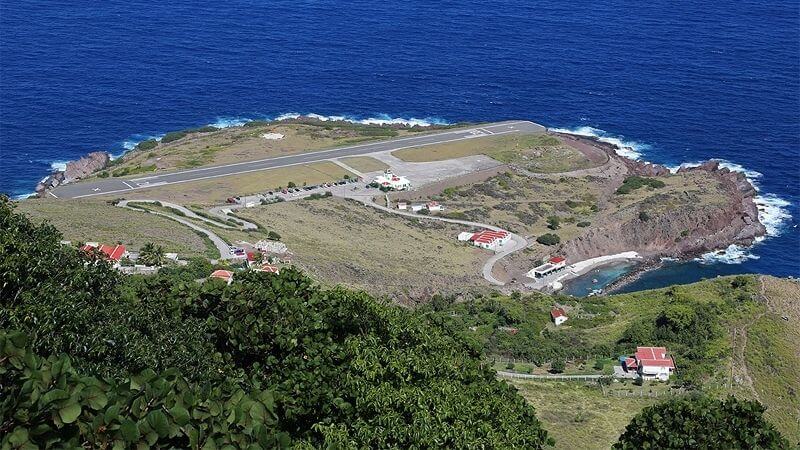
<point x="91" y="357"/>
<point x="152" y="255"/>
<point x="701" y="422"/>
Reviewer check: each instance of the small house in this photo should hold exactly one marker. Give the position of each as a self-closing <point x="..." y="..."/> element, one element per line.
<point x="402" y="205"/>
<point x="653" y="363"/>
<point x="558" y="315"/>
<point x="490" y="239"/>
<point x="553" y="265"/>
<point x="417" y="207"/>
<point x="269" y="269"/>
<point x="464" y="236"/>
<point x="434" y="206"/>
<point x="226" y="275"/>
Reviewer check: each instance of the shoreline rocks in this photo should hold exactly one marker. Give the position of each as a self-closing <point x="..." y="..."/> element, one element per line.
<point x="75" y="170"/>
<point x="681" y="233"/>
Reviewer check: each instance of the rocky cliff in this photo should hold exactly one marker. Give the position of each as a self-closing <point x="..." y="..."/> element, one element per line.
<point x="685" y="228"/>
<point x="75" y="170"/>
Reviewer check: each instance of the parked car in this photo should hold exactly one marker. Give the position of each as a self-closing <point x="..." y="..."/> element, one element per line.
<point x="231" y="200"/>
<point x="284" y="191"/>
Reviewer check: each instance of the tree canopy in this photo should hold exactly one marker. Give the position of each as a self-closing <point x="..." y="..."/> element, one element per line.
<point x="97" y="358"/>
<point x="701" y="422"/>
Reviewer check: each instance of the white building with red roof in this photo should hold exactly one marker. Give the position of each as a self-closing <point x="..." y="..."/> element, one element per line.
<point x="554" y="264"/>
<point x="389" y="180"/>
<point x="221" y="274"/>
<point x="653" y="363"/>
<point x="111" y="252"/>
<point x="490" y="239"/>
<point x="558" y="315"/>
<point x="269" y="268"/>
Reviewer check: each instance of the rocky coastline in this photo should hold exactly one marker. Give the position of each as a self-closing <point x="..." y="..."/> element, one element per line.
<point x="75" y="170"/>
<point x="681" y="234"/>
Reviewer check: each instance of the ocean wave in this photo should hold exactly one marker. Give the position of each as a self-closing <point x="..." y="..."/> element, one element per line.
<point x="734" y="254"/>
<point x="23" y="196"/>
<point x="229" y="122"/>
<point x="380" y="119"/>
<point x="773" y="212"/>
<point x="58" y="166"/>
<point x="626" y="148"/>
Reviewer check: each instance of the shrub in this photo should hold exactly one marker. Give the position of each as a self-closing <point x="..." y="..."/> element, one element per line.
<point x="584" y="224"/>
<point x="103" y="174"/>
<point x="557" y="366"/>
<point x="147" y="145"/>
<point x="273" y="236"/>
<point x="173" y="136"/>
<point x="701" y="422"/>
<point x="635" y="182"/>
<point x="553" y="222"/>
<point x="643" y="216"/>
<point x="291" y="185"/>
<point x="548" y="239"/>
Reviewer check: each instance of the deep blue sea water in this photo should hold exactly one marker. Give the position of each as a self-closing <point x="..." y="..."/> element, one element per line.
<point x="681" y="81"/>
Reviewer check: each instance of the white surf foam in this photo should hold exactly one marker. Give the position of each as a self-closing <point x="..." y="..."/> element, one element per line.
<point x="58" y="166"/>
<point x="23" y="196"/>
<point x="381" y="119"/>
<point x="228" y="122"/>
<point x="626" y="148"/>
<point x="734" y="254"/>
<point x="773" y="212"/>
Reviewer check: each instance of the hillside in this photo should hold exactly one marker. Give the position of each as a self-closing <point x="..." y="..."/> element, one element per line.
<point x="732" y="335"/>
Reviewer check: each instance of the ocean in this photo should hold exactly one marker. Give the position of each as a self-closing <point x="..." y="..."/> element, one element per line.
<point x="678" y="82"/>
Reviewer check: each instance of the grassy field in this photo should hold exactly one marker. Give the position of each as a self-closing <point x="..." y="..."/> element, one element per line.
<point x="535" y="152"/>
<point x="772" y="355"/>
<point x="236" y="144"/>
<point x="92" y="220"/>
<point x="216" y="190"/>
<point x="730" y="317"/>
<point x="341" y="241"/>
<point x="579" y="416"/>
<point x="364" y="163"/>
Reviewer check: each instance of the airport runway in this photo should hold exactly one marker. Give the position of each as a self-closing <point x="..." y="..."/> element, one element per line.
<point x="120" y="186"/>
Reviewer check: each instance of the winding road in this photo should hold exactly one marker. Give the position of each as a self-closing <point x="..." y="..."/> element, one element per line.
<point x="518" y="241"/>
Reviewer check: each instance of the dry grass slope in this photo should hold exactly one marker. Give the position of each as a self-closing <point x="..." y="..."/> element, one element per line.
<point x="92" y="220"/>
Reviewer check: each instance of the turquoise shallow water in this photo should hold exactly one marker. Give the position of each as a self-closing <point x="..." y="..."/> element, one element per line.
<point x="680" y="82"/>
<point x="597" y="278"/>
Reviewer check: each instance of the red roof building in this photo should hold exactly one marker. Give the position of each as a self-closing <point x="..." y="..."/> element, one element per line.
<point x="654" y="363"/>
<point x="226" y="275"/>
<point x="490" y="239"/>
<point x="558" y="315"/>
<point x="269" y="269"/>
<point x="112" y="252"/>
<point x="557" y="260"/>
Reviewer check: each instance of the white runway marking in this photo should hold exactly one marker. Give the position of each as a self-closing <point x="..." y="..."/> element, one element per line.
<point x="126" y="184"/>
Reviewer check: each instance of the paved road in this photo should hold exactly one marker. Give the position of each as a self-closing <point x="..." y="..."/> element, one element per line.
<point x="122" y="186"/>
<point x="222" y="246"/>
<point x="518" y="242"/>
<point x="554" y="377"/>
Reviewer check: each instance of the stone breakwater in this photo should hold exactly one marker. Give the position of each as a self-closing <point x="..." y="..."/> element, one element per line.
<point x="75" y="170"/>
<point x="675" y="232"/>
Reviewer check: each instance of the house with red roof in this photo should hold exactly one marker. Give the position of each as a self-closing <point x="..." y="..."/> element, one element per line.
<point x="110" y="252"/>
<point x="221" y="274"/>
<point x="650" y="363"/>
<point x="269" y="268"/>
<point x="558" y="315"/>
<point x="490" y="239"/>
<point x="554" y="264"/>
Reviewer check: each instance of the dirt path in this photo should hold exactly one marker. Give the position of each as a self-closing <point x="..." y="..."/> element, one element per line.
<point x="739" y="371"/>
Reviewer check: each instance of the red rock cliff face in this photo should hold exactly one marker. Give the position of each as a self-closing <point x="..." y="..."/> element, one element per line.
<point x="86" y="166"/>
<point x="678" y="232"/>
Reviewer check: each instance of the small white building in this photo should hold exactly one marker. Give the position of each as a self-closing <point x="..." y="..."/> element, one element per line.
<point x="490" y="239"/>
<point x="417" y="207"/>
<point x="465" y="236"/>
<point x="652" y="363"/>
<point x="391" y="181"/>
<point x="402" y="205"/>
<point x="434" y="206"/>
<point x="552" y="265"/>
<point x="558" y="315"/>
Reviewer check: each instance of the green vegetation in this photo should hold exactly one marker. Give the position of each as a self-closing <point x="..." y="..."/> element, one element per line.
<point x="318" y="195"/>
<point x="643" y="216"/>
<point x="553" y="222"/>
<point x="635" y="182"/>
<point x="269" y="361"/>
<point x="583" y="224"/>
<point x="147" y="145"/>
<point x="548" y="239"/>
<point x="123" y="171"/>
<point x="173" y="136"/>
<point x="701" y="422"/>
<point x="152" y="255"/>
